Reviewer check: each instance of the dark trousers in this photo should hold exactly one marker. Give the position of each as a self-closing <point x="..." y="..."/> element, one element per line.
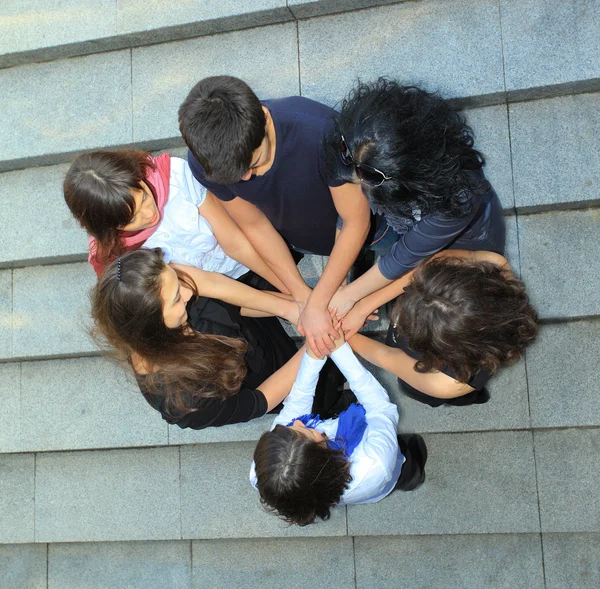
<point x="413" y="470"/>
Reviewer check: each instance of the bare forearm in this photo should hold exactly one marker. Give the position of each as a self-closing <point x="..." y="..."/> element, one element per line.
<point x="372" y="289"/>
<point x="380" y="297"/>
<point x="346" y="248"/>
<point x="277" y="387"/>
<point x="273" y="250"/>
<point x="399" y="363"/>
<point x="251" y="259"/>
<point x="217" y="286"/>
<point x="371" y="350"/>
<point x="370" y="282"/>
<point x="244" y="312"/>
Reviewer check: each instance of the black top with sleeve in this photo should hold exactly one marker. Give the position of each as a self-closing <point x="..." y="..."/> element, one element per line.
<point x="478" y="381"/>
<point x="269" y="348"/>
<point x="294" y="193"/>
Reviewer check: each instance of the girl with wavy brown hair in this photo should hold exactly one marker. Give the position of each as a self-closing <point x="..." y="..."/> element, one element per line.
<point x="459" y="317"/>
<point x="202" y="346"/>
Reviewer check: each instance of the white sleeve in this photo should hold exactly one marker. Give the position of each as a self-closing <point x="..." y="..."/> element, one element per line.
<point x="380" y="443"/>
<point x="190" y="189"/>
<point x="299" y="401"/>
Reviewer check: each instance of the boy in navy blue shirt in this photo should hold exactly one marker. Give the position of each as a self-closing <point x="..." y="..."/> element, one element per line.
<point x="265" y="162"/>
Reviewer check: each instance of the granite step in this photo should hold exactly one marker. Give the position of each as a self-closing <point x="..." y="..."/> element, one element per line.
<point x="501" y="482"/>
<point x="480" y="56"/>
<point x="39" y="30"/>
<point x="470" y="561"/>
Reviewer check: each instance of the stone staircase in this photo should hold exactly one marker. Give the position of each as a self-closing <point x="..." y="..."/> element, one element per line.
<point x="97" y="492"/>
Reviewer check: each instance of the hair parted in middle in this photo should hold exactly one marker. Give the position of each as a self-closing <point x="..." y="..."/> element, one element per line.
<point x="466" y="315"/>
<point x="128" y="316"/>
<point x="299" y="479"/>
<point x="222" y="122"/>
<point x="97" y="191"/>
<point x="416" y="139"/>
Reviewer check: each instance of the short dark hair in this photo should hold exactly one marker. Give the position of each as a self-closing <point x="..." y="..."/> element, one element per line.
<point x="414" y="137"/>
<point x="97" y="191"/>
<point x="299" y="479"/>
<point x="222" y="122"/>
<point x="465" y="315"/>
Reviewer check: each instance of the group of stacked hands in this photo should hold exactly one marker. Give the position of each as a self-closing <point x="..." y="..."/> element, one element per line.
<point x="196" y="260"/>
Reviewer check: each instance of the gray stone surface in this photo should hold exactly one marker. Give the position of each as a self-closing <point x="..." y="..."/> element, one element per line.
<point x="572" y="561"/>
<point x="31" y="25"/>
<point x="559" y="262"/>
<point x="212" y="16"/>
<point x="6" y="319"/>
<point x="126" y="565"/>
<point x="311" y="267"/>
<point x="82" y="403"/>
<point x="218" y="501"/>
<point x="51" y="310"/>
<point x="35" y="223"/>
<point x="476" y="483"/>
<point x="16" y="498"/>
<point x="507" y="408"/>
<point x="453" y="47"/>
<point x="23" y="566"/>
<point x="511" y="250"/>
<point x="490" y="126"/>
<point x="87" y="104"/>
<point x="290" y="563"/>
<point x="556" y="150"/>
<point x="509" y="561"/>
<point x="568" y="473"/>
<point x="10" y="401"/>
<point x="562" y="375"/>
<point x="241" y="432"/>
<point x="548" y="42"/>
<point x="164" y="74"/>
<point x="108" y="495"/>
<point x="310" y="8"/>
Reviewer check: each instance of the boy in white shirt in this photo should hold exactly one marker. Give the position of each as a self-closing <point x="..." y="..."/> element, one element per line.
<point x="305" y="466"/>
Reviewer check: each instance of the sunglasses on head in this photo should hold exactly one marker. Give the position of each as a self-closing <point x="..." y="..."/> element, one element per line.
<point x="366" y="174"/>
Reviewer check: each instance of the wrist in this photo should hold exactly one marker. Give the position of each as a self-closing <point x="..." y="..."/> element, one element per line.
<point x="317" y="300"/>
<point x="301" y="294"/>
<point x="289" y="311"/>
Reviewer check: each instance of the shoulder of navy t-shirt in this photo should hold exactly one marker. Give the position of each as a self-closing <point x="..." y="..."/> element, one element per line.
<point x="309" y="114"/>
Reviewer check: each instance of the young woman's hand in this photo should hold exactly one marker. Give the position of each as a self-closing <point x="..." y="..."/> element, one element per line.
<point x="317" y="326"/>
<point x="356" y="319"/>
<point x="340" y="340"/>
<point x="342" y="301"/>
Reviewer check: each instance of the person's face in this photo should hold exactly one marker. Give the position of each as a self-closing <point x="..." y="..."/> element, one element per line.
<point x="174" y="296"/>
<point x="308" y="432"/>
<point x="145" y="212"/>
<point x="262" y="155"/>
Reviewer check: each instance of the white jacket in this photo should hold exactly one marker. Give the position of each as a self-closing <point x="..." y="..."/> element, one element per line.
<point x="377" y="461"/>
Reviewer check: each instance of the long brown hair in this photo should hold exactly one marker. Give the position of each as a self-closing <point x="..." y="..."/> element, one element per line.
<point x="97" y="191"/>
<point x="299" y="479"/>
<point x="128" y="315"/>
<point x="465" y="315"/>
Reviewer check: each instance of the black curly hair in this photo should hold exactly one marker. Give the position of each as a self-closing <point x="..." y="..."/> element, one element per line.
<point x="414" y="137"/>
